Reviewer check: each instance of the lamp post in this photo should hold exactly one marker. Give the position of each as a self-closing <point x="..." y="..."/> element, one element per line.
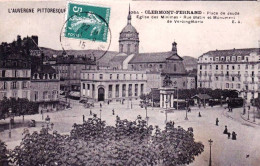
<point x="221" y="101"/>
<point x="248" y="114"/>
<point x="47" y="121"/>
<point x="152" y="99"/>
<point x="210" y="143"/>
<point x="254" y="109"/>
<point x="204" y="99"/>
<point x="177" y="96"/>
<point x="166" y="102"/>
<point x="100" y="114"/>
<point x="186" y="118"/>
<point x="10" y="123"/>
<point x="128" y="102"/>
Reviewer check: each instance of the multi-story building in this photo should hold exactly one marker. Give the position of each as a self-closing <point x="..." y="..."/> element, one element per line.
<point x="237" y="69"/>
<point x="45" y="87"/>
<point x="104" y="85"/>
<point x="70" y="69"/>
<point x="23" y="75"/>
<point x="15" y="70"/>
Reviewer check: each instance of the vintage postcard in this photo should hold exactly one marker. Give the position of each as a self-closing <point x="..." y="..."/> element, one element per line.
<point x="129" y="83"/>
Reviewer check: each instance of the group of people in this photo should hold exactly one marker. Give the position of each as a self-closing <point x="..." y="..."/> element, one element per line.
<point x="234" y="135"/>
<point x="230" y="109"/>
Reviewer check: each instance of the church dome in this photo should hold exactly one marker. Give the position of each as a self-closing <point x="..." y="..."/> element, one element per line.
<point x="129" y="38"/>
<point x="129" y="28"/>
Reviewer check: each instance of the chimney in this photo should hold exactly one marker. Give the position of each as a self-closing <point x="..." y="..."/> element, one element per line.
<point x="174" y="48"/>
<point x="35" y="40"/>
<point x="259" y="46"/>
<point x="19" y="41"/>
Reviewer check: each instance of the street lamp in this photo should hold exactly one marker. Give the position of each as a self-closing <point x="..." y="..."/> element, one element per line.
<point x="10" y="125"/>
<point x="248" y="114"/>
<point x="177" y="97"/>
<point x="131" y="103"/>
<point x="47" y="120"/>
<point x="186" y="118"/>
<point x="100" y="114"/>
<point x="210" y="143"/>
<point x="221" y="101"/>
<point x="253" y="109"/>
<point x="204" y="99"/>
<point x="166" y="111"/>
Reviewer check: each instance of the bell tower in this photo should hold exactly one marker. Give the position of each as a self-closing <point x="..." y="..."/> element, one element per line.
<point x="129" y="38"/>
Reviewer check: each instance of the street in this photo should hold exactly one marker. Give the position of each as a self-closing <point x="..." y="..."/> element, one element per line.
<point x="225" y="152"/>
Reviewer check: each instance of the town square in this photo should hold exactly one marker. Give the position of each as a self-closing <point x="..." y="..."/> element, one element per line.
<point x="94" y="86"/>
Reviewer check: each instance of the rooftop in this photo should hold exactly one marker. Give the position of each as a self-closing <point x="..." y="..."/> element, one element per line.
<point x="154" y="57"/>
<point x="232" y="52"/>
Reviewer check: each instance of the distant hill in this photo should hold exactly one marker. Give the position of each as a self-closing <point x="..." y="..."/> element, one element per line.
<point x="190" y="63"/>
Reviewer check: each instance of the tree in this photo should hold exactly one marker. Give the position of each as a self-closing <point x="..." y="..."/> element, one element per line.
<point x="95" y="143"/>
<point x="3" y="154"/>
<point x="18" y="106"/>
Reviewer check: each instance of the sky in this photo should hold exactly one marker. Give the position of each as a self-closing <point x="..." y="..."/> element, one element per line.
<point x="156" y="35"/>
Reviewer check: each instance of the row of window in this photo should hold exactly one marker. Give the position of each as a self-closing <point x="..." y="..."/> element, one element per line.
<point x="233" y="67"/>
<point x="228" y="74"/>
<point x="227" y="58"/>
<point x="14" y="85"/>
<point x="14" y="73"/>
<point x="46" y="95"/>
<point x="12" y="63"/>
<point x="128" y="48"/>
<point x="44" y="76"/>
<point x="25" y="94"/>
<point x="130" y="93"/>
<point x="114" y="76"/>
<point x="148" y="65"/>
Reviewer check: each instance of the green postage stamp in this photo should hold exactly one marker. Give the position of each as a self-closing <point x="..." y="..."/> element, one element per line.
<point x="87" y="22"/>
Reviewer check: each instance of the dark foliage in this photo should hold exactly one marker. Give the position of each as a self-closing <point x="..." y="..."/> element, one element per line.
<point x="19" y="107"/>
<point x="94" y="143"/>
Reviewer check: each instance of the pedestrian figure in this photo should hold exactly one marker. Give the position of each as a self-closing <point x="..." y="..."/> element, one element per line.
<point x="228" y="134"/>
<point x="189" y="110"/>
<point x="234" y="136"/>
<point x="108" y="102"/>
<point x="100" y="105"/>
<point x="199" y="114"/>
<point x="83" y="116"/>
<point x="52" y="126"/>
<point x="244" y="111"/>
<point x="90" y="112"/>
<point x="217" y="122"/>
<point x="113" y="112"/>
<point x="117" y="118"/>
<point x="249" y="107"/>
<point x="47" y="118"/>
<point x="226" y="130"/>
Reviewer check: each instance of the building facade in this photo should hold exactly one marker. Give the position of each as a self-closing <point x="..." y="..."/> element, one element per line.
<point x="69" y="69"/>
<point x="104" y="85"/>
<point x="235" y="69"/>
<point x="15" y="69"/>
<point x="45" y="88"/>
<point x="15" y="74"/>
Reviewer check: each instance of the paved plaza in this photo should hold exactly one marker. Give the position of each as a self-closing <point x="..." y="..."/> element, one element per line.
<point x="225" y="152"/>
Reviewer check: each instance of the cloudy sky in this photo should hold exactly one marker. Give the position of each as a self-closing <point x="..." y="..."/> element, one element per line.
<point x="155" y="34"/>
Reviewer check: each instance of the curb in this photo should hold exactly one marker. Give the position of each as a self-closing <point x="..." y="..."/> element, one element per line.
<point x="248" y="120"/>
